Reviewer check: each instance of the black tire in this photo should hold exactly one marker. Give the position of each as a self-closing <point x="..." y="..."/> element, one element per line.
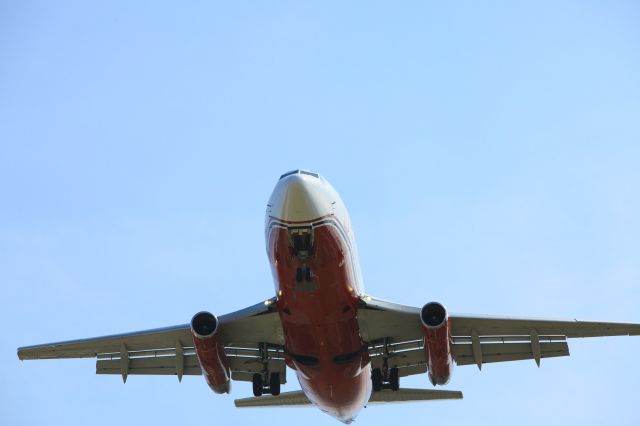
<point x="394" y="379"/>
<point x="299" y="275"/>
<point x="376" y="379"/>
<point x="258" y="385"/>
<point x="307" y="274"/>
<point x="274" y="384"/>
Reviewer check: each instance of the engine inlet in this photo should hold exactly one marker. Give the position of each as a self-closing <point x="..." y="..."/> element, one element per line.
<point x="204" y="324"/>
<point x="433" y="314"/>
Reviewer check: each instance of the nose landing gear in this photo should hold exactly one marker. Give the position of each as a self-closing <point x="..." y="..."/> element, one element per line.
<point x="304" y="274"/>
<point x="302" y="244"/>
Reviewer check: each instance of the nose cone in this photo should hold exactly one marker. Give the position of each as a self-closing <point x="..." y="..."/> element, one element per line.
<point x="300" y="198"/>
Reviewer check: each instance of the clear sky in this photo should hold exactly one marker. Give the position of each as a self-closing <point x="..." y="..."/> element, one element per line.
<point x="488" y="152"/>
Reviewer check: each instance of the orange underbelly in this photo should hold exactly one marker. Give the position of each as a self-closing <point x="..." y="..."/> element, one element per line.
<point x="318" y="302"/>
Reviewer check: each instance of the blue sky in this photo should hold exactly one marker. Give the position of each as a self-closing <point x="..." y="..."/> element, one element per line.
<point x="488" y="154"/>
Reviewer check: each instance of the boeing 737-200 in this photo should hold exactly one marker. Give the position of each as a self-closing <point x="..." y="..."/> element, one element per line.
<point x="348" y="349"/>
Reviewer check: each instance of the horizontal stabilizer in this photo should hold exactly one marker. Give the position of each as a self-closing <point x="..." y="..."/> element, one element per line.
<point x="298" y="398"/>
<point x="285" y="399"/>
<point x="412" y="395"/>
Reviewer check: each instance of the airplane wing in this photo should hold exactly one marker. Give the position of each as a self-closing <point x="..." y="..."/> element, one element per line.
<point x="247" y="335"/>
<point x="298" y="398"/>
<point x="394" y="331"/>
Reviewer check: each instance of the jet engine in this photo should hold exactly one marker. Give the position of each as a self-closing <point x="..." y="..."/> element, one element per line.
<point x="437" y="342"/>
<point x="210" y="352"/>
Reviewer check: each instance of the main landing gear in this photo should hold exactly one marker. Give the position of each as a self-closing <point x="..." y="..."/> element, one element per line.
<point x="272" y="387"/>
<point x="385" y="377"/>
<point x="391" y="381"/>
<point x="265" y="382"/>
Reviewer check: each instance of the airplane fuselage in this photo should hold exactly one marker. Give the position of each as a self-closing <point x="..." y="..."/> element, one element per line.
<point x="314" y="262"/>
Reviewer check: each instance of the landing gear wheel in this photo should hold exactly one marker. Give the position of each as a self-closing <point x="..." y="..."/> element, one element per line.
<point x="307" y="274"/>
<point x="376" y="379"/>
<point x="258" y="385"/>
<point x="274" y="384"/>
<point x="299" y="275"/>
<point x="394" y="379"/>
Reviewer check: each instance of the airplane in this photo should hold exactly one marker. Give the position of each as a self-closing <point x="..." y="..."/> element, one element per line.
<point x="347" y="348"/>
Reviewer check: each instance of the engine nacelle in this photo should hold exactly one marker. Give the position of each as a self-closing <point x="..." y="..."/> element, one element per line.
<point x="210" y="352"/>
<point x="437" y="342"/>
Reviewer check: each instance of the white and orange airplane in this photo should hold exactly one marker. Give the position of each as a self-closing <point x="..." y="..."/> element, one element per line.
<point x="348" y="349"/>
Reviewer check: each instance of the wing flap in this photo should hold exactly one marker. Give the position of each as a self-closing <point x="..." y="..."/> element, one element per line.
<point x="501" y="352"/>
<point x="163" y="365"/>
<point x="408" y="362"/>
<point x="166" y="362"/>
<point x="400" y="359"/>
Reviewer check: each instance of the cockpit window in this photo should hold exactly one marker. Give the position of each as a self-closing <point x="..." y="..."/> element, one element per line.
<point x="304" y="172"/>
<point x="292" y="172"/>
